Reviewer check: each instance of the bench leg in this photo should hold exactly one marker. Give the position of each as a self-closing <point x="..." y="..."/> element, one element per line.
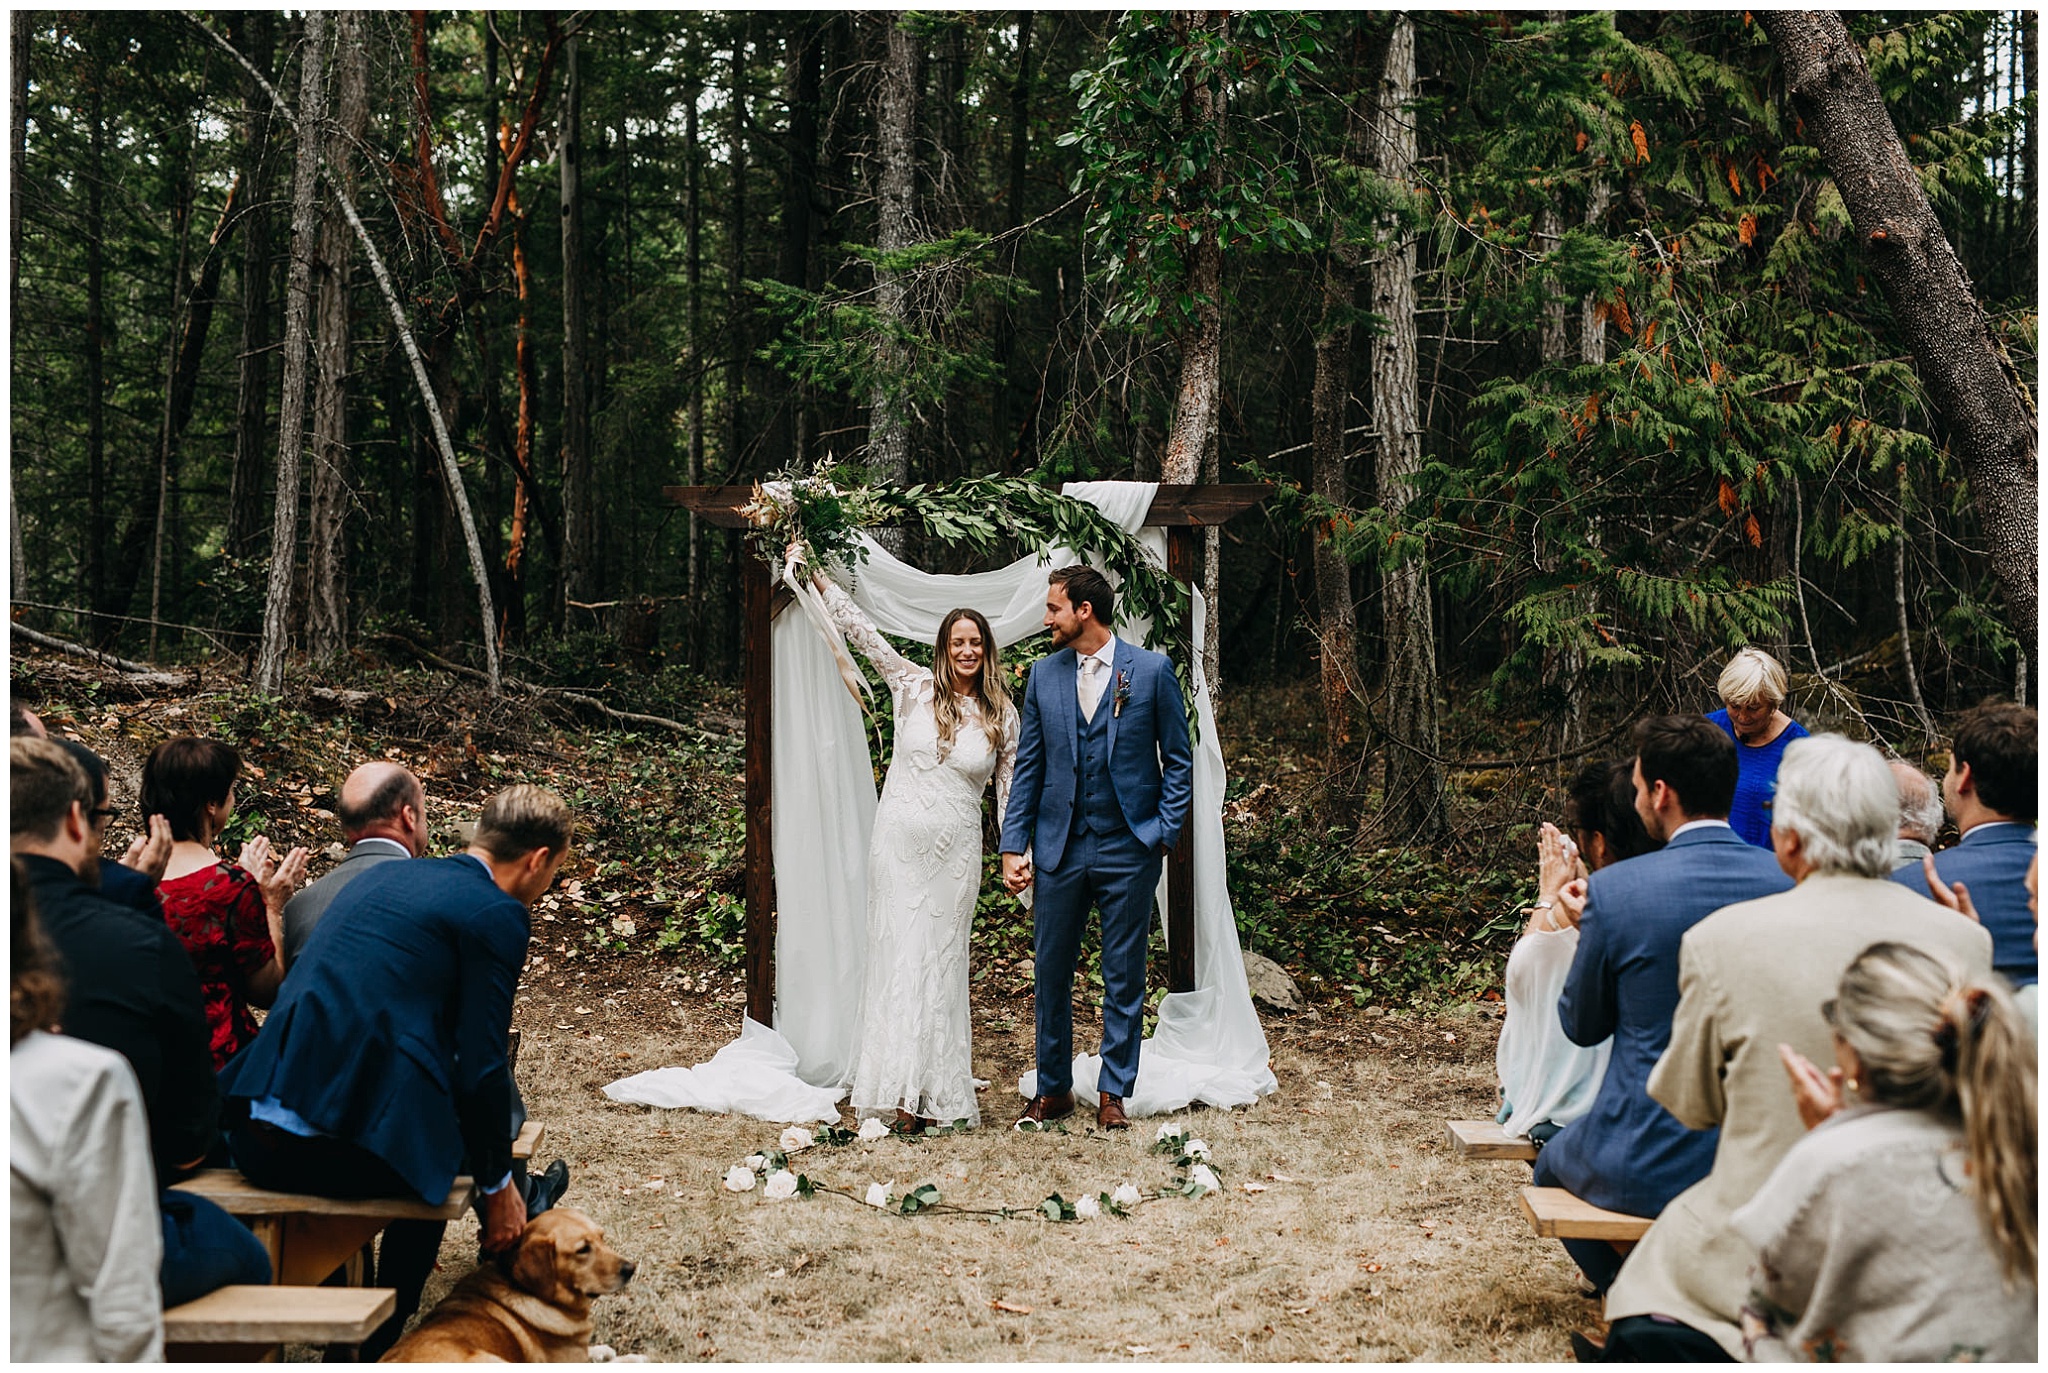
<point x="314" y="1246"/>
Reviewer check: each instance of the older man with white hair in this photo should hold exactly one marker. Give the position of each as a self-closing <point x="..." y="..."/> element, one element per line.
<point x="1919" y="815"/>
<point x="1752" y="978"/>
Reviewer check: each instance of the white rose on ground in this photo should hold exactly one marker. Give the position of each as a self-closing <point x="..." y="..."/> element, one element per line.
<point x="1172" y="1129"/>
<point x="1087" y="1208"/>
<point x="739" y="1178"/>
<point x="757" y="1162"/>
<point x="1202" y="1176"/>
<point x="781" y="1185"/>
<point x="878" y="1194"/>
<point x="872" y="1129"/>
<point x="1196" y="1148"/>
<point x="796" y="1137"/>
<point x="1126" y="1194"/>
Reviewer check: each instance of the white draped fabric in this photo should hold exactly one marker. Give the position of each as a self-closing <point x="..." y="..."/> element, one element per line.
<point x="1209" y="1045"/>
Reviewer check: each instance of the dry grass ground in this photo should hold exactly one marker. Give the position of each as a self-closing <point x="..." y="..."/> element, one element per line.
<point x="1370" y="1239"/>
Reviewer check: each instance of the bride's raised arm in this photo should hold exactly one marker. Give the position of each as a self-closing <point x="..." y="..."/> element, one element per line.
<point x="897" y="670"/>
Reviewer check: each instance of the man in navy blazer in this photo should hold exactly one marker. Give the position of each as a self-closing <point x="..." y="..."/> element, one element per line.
<point x="1099" y="793"/>
<point x="1990" y="789"/>
<point x="381" y="1070"/>
<point x="1628" y="1153"/>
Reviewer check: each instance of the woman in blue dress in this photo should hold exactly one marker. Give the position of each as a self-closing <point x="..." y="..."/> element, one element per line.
<point x="1752" y="690"/>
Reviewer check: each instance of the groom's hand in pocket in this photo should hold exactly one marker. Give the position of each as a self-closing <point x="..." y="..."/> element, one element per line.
<point x="1016" y="873"/>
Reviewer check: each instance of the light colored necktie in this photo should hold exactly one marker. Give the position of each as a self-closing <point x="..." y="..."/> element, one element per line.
<point x="1091" y="686"/>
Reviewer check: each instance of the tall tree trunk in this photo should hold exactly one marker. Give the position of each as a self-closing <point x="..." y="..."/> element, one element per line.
<point x="98" y="525"/>
<point x="801" y="75"/>
<point x="1196" y="404"/>
<point x="245" y="485"/>
<point x="1007" y="446"/>
<point x="579" y="528"/>
<point x="183" y="221"/>
<point x="1336" y="612"/>
<point x="896" y="228"/>
<point x="19" y="46"/>
<point x="1412" y="800"/>
<point x="1564" y="669"/>
<point x="1989" y="411"/>
<point x="1592" y="324"/>
<point x="525" y="499"/>
<point x="738" y="342"/>
<point x="291" y="434"/>
<point x="693" y="284"/>
<point x="327" y="541"/>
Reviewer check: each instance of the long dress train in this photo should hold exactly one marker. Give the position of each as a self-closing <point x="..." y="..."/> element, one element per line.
<point x="924" y="877"/>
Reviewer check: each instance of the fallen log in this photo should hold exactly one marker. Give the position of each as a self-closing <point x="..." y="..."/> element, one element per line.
<point x="141" y="676"/>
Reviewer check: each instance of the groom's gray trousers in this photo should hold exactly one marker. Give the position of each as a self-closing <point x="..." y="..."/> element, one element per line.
<point x="1117" y="874"/>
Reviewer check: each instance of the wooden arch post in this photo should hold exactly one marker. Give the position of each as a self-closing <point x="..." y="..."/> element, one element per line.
<point x="1182" y="511"/>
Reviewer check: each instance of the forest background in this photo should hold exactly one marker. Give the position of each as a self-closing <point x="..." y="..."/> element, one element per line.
<point x="1573" y="367"/>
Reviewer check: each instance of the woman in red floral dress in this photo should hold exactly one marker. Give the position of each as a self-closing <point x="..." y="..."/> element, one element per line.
<point x="229" y="916"/>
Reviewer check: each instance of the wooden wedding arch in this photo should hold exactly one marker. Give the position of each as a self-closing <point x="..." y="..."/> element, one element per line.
<point x="1181" y="510"/>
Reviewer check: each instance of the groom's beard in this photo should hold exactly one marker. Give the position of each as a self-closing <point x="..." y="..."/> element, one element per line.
<point x="1060" y="637"/>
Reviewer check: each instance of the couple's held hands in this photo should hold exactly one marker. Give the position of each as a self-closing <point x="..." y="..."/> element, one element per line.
<point x="1817" y="1094"/>
<point x="150" y="852"/>
<point x="1016" y="873"/>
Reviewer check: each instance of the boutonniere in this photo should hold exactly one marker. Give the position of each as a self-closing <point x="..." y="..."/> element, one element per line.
<point x="1123" y="695"/>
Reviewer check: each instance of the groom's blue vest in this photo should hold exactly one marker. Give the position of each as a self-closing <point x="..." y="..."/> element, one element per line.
<point x="1095" y="804"/>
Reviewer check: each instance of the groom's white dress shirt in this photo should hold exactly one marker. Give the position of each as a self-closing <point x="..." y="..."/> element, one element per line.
<point x="1093" y="675"/>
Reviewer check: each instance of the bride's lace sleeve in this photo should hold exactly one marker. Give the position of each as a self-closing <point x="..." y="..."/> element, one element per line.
<point x="898" y="671"/>
<point x="1006" y="764"/>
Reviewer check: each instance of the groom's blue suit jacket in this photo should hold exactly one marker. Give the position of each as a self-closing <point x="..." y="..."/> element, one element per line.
<point x="1150" y="763"/>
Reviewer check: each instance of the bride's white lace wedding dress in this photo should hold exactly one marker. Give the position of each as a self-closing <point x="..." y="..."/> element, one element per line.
<point x="924" y="876"/>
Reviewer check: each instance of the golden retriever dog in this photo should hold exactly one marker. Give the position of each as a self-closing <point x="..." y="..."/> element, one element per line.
<point x="530" y="1306"/>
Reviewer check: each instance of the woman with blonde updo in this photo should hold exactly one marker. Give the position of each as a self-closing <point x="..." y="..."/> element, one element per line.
<point x="955" y="728"/>
<point x="1902" y="1227"/>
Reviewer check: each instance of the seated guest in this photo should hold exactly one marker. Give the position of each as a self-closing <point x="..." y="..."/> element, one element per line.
<point x="1752" y="689"/>
<point x="85" y="1240"/>
<point x="1547" y="1080"/>
<point x="349" y="1094"/>
<point x="383" y="814"/>
<point x="1902" y="1229"/>
<point x="1628" y="1154"/>
<point x="1919" y="815"/>
<point x="132" y="880"/>
<point x="130" y="987"/>
<point x="227" y="915"/>
<point x="1754" y="977"/>
<point x="1991" y="790"/>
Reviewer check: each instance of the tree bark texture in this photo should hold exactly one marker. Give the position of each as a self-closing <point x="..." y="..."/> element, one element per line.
<point x="19" y="45"/>
<point x="327" y="515"/>
<point x="1988" y="410"/>
<point x="1412" y="799"/>
<point x="179" y="297"/>
<point x="252" y="410"/>
<point x="291" y="431"/>
<point x="693" y="286"/>
<point x="99" y="527"/>
<point x="579" y="527"/>
<point x="1330" y="460"/>
<point x="739" y="341"/>
<point x="801" y="81"/>
<point x="896" y="227"/>
<point x="1196" y="402"/>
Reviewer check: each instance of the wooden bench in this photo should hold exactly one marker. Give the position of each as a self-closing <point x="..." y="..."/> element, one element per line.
<point x="245" y="1322"/>
<point x="1556" y="1214"/>
<point x="530" y="1136"/>
<point x="1487" y="1139"/>
<point x="309" y="1237"/>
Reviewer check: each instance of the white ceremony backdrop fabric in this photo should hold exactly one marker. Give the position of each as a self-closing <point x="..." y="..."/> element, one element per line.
<point x="1209" y="1045"/>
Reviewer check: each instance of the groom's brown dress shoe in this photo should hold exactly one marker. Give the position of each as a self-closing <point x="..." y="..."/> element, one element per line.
<point x="1045" y="1108"/>
<point x="1109" y="1113"/>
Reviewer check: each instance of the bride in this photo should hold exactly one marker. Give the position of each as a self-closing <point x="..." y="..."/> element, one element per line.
<point x="955" y="727"/>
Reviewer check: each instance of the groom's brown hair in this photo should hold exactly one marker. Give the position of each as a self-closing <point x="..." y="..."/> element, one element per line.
<point x="1084" y="584"/>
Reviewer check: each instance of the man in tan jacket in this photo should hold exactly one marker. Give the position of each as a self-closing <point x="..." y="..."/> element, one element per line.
<point x="1752" y="976"/>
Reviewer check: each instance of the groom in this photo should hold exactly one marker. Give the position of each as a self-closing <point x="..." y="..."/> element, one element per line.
<point x="1099" y="794"/>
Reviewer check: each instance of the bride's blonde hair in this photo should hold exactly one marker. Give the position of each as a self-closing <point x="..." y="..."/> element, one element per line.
<point x="990" y="692"/>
